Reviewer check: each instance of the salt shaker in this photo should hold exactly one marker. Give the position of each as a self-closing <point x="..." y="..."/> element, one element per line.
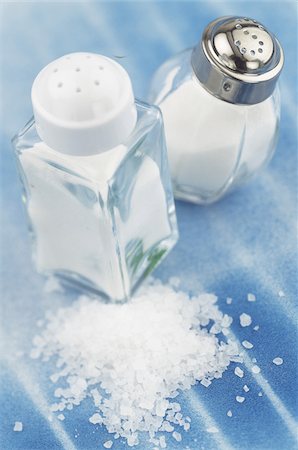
<point x="95" y="175"/>
<point x="221" y="107"/>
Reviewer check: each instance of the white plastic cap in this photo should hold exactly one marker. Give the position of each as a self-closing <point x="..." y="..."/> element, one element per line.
<point x="83" y="104"/>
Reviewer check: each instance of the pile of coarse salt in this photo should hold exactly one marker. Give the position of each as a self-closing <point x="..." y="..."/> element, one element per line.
<point x="133" y="359"/>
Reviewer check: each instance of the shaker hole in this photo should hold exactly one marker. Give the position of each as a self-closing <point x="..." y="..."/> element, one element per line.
<point x="260" y="50"/>
<point x="252" y="52"/>
<point x="237" y="42"/>
<point x="78" y="69"/>
<point x="78" y="89"/>
<point x="227" y="87"/>
<point x="238" y="26"/>
<point x="246" y="32"/>
<point x="55" y="70"/>
<point x="59" y="85"/>
<point x="96" y="82"/>
<point x="254" y="36"/>
<point x="100" y="67"/>
<point x="261" y="42"/>
<point x="243" y="50"/>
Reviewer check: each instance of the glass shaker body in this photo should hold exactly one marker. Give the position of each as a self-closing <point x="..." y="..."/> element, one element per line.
<point x="102" y="222"/>
<point x="213" y="145"/>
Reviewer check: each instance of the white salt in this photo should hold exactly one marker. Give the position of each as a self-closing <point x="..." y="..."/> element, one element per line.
<point x="177" y="436"/>
<point x="61" y="416"/>
<point x="255" y="369"/>
<point x="131" y="359"/>
<point x="18" y="426"/>
<point x="240" y="399"/>
<point x="229" y="300"/>
<point x="260" y="394"/>
<point x="281" y="294"/>
<point x="245" y="320"/>
<point x="229" y="413"/>
<point x="278" y="361"/>
<point x="246" y="388"/>
<point x="239" y="372"/>
<point x="247" y="344"/>
<point x="212" y="430"/>
<point x="108" y="444"/>
<point x="257" y="327"/>
<point x="251" y="297"/>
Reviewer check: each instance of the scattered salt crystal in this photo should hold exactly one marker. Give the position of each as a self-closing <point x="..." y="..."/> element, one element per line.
<point x="229" y="300"/>
<point x="278" y="361"/>
<point x="254" y="360"/>
<point x="162" y="442"/>
<point x="257" y="327"/>
<point x="108" y="444"/>
<point x="18" y="426"/>
<point x="245" y="320"/>
<point x="96" y="418"/>
<point x="212" y="430"/>
<point x="132" y="358"/>
<point x="177" y="436"/>
<point x="246" y="388"/>
<point x="205" y="382"/>
<point x="260" y="394"/>
<point x="251" y="297"/>
<point x="239" y="372"/>
<point x="281" y="294"/>
<point x="240" y="399"/>
<point x="229" y="413"/>
<point x="247" y="344"/>
<point x="255" y="369"/>
<point x="61" y="416"/>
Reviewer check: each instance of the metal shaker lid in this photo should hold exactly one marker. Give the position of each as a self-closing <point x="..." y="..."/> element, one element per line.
<point x="238" y="60"/>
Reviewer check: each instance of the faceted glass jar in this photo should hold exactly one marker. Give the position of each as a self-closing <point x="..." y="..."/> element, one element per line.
<point x="102" y="222"/>
<point x="213" y="145"/>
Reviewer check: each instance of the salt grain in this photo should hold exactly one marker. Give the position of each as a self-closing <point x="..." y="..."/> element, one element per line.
<point x="18" y="426"/>
<point x="278" y="361"/>
<point x="281" y="294"/>
<point x="229" y="413"/>
<point x="108" y="444"/>
<point x="246" y="388"/>
<point x="239" y="372"/>
<point x="251" y="297"/>
<point x="229" y="300"/>
<point x="131" y="359"/>
<point x="245" y="320"/>
<point x="61" y="416"/>
<point x="255" y="369"/>
<point x="260" y="394"/>
<point x="212" y="430"/>
<point x="240" y="399"/>
<point x="247" y="344"/>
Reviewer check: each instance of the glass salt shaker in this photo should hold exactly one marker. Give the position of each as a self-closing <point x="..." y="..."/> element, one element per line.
<point x="221" y="107"/>
<point x="95" y="177"/>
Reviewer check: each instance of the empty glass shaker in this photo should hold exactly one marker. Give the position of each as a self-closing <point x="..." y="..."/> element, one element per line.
<point x="221" y="107"/>
<point x="95" y="176"/>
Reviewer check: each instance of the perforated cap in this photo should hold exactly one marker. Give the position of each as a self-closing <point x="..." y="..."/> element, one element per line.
<point x="238" y="60"/>
<point x="83" y="104"/>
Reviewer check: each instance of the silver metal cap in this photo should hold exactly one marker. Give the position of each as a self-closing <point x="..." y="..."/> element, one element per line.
<point x="238" y="60"/>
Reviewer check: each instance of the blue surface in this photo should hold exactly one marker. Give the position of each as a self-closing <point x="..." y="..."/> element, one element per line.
<point x="245" y="243"/>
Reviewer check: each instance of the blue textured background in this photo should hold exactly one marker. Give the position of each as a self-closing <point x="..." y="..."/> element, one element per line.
<point x="245" y="243"/>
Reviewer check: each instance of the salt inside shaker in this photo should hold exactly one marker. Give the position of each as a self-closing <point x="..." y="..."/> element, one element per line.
<point x="95" y="177"/>
<point x="221" y="107"/>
